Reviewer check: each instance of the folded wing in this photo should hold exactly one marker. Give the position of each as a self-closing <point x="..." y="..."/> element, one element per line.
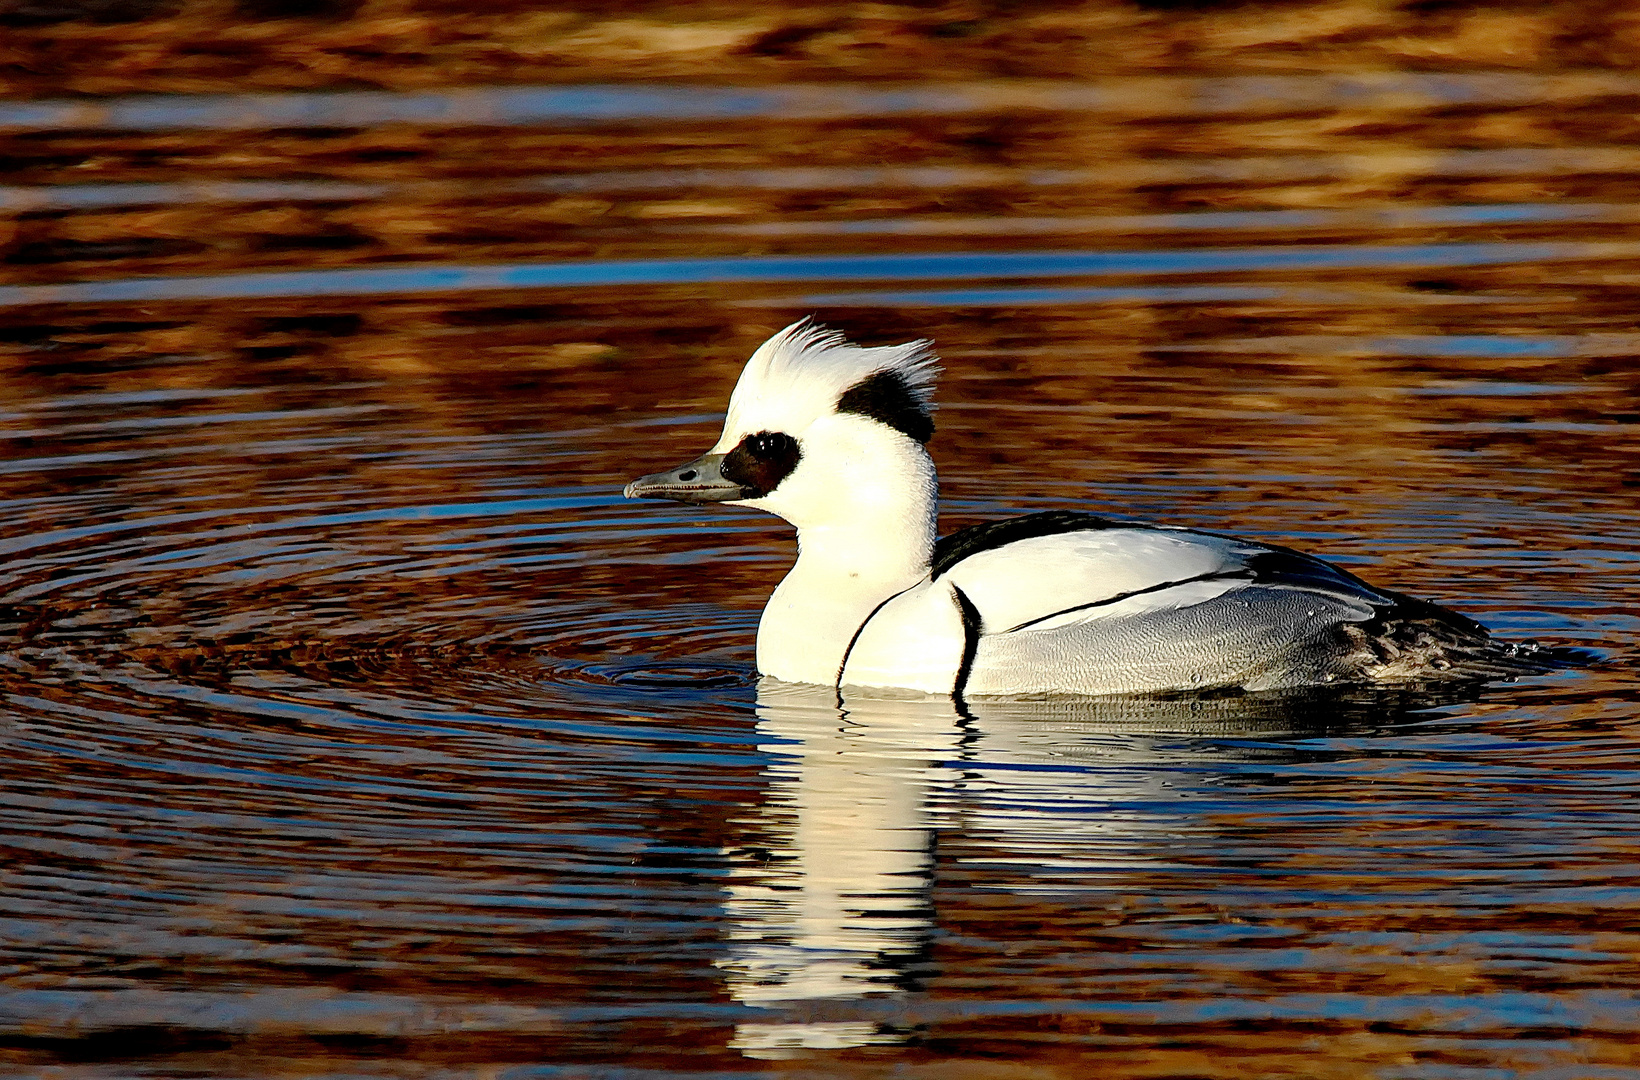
<point x="1075" y="601"/>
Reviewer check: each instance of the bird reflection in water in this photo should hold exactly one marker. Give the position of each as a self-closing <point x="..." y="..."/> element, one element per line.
<point x="834" y="902"/>
<point x="830" y="898"/>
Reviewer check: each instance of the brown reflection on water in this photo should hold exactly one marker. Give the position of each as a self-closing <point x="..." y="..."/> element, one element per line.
<point x="475" y="195"/>
<point x="352" y="721"/>
<point x="1323" y="439"/>
<point x="193" y="46"/>
<point x="296" y="792"/>
<point x="333" y="193"/>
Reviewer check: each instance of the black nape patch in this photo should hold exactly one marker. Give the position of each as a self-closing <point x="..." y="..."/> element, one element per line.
<point x="759" y="462"/>
<point x="887" y="398"/>
<point x="951" y="550"/>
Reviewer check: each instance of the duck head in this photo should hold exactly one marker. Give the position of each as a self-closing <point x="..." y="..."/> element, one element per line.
<point x="819" y="432"/>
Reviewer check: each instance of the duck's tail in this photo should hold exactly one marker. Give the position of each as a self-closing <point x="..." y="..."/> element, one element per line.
<point x="1414" y="640"/>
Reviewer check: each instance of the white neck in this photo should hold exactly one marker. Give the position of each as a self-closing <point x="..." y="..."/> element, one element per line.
<point x="867" y="538"/>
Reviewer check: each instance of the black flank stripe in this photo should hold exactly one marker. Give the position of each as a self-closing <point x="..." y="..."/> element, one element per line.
<point x="1119" y="597"/>
<point x="862" y="629"/>
<point x="972" y="627"/>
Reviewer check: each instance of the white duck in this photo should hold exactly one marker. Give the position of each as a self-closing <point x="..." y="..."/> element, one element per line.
<point x="830" y="437"/>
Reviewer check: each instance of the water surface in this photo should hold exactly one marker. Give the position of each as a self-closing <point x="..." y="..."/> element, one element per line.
<point x="355" y="725"/>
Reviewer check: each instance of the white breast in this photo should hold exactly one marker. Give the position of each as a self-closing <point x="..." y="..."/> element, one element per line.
<point x="915" y="640"/>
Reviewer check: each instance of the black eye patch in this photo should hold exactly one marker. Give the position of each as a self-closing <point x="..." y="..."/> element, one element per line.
<point x="759" y="462"/>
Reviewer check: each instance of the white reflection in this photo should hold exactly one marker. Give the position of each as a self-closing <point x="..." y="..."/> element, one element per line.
<point x="830" y="898"/>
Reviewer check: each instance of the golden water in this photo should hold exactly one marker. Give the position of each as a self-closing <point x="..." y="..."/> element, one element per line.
<point x="354" y="725"/>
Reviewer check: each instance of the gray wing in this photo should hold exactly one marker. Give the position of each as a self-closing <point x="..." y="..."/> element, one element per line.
<point x="1123" y="608"/>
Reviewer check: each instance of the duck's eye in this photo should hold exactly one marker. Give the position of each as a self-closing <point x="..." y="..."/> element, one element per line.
<point x="759" y="462"/>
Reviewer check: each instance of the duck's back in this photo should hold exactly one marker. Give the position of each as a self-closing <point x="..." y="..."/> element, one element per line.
<point x="1067" y="602"/>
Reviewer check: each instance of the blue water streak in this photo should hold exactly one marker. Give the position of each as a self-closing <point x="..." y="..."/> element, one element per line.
<point x="787" y="268"/>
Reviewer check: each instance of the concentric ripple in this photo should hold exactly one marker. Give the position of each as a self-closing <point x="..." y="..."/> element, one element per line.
<point x="366" y="714"/>
<point x="352" y="722"/>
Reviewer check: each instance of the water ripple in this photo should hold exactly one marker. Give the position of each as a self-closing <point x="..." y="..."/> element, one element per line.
<point x="770" y="269"/>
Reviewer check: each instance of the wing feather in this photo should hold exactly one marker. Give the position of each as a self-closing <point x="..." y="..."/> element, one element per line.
<point x="1043" y="580"/>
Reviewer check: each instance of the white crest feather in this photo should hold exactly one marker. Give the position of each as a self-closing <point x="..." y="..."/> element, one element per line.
<point x="797" y="376"/>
